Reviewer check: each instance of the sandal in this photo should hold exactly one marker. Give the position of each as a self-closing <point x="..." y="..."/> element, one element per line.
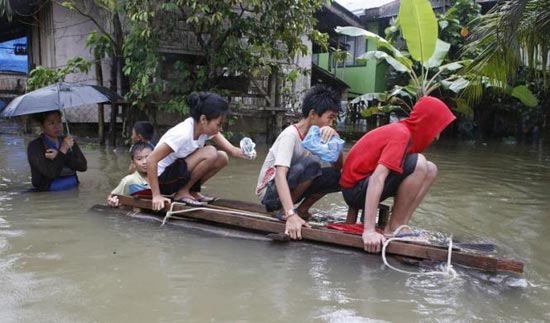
<point x="279" y="215"/>
<point x="206" y="199"/>
<point x="189" y="201"/>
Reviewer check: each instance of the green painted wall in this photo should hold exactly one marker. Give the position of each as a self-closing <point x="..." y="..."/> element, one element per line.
<point x="361" y="79"/>
<point x="376" y="69"/>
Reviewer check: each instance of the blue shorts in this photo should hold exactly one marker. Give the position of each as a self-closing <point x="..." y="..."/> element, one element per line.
<point x="355" y="196"/>
<point x="324" y="180"/>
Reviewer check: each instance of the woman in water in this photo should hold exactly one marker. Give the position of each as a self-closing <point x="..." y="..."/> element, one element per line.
<point x="54" y="158"/>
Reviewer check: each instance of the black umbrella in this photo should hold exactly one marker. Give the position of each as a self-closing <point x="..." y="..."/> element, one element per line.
<point x="58" y="96"/>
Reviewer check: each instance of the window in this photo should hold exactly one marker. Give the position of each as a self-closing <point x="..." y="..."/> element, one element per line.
<point x="356" y="46"/>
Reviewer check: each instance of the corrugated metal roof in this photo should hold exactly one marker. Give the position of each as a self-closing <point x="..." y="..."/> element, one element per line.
<point x="358" y="6"/>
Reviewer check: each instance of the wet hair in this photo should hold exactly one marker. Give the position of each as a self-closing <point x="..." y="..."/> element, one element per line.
<point x="41" y="117"/>
<point x="138" y="147"/>
<point x="209" y="104"/>
<point x="320" y="99"/>
<point x="145" y="129"/>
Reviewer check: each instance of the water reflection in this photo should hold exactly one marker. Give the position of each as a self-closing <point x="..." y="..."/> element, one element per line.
<point x="61" y="263"/>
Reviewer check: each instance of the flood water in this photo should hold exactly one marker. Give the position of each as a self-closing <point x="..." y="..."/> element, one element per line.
<point x="60" y="262"/>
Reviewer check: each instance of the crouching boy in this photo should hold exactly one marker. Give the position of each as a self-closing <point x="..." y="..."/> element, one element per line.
<point x="291" y="174"/>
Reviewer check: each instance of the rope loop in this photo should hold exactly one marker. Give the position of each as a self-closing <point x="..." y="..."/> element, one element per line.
<point x="450" y="272"/>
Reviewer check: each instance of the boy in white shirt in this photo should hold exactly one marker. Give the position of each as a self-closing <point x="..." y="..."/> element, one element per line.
<point x="290" y="173"/>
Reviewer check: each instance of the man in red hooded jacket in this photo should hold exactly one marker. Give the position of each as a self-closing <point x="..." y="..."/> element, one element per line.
<point x="387" y="162"/>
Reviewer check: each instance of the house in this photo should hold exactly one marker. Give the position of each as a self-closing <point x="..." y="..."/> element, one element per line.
<point x="363" y="77"/>
<point x="55" y="34"/>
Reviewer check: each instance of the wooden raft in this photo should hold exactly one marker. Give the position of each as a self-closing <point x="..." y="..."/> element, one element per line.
<point x="264" y="223"/>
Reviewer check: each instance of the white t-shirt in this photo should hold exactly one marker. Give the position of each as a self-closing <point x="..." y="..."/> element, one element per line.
<point x="286" y="151"/>
<point x="180" y="139"/>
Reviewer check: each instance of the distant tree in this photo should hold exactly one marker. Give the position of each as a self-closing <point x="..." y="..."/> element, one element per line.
<point x="243" y="38"/>
<point x="42" y="76"/>
<point x="514" y="34"/>
<point x="105" y="42"/>
<point x="424" y="62"/>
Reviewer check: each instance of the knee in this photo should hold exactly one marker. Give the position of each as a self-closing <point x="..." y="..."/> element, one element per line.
<point x="421" y="165"/>
<point x="221" y="158"/>
<point x="209" y="153"/>
<point x="431" y="171"/>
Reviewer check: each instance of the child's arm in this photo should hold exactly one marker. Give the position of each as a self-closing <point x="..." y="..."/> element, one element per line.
<point x="112" y="200"/>
<point x="121" y="189"/>
<point x="224" y="144"/>
<point x="294" y="223"/>
<point x="160" y="152"/>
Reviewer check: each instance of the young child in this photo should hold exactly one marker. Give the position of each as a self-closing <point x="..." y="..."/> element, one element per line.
<point x="181" y="162"/>
<point x="137" y="181"/>
<point x="290" y="173"/>
<point x="142" y="131"/>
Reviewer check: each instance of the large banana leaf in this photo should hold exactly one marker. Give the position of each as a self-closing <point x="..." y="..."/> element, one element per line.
<point x="369" y="97"/>
<point x="440" y="52"/>
<point x="457" y="85"/>
<point x="419" y="27"/>
<point x="455" y="65"/>
<point x="398" y="66"/>
<point x="379" y="41"/>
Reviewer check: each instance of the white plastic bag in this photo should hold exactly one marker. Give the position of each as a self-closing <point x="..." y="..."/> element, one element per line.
<point x="247" y="147"/>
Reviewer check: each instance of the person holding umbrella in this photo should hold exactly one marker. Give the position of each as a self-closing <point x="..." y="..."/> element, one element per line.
<point x="54" y="159"/>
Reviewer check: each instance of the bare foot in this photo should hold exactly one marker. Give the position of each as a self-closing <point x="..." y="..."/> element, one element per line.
<point x="390" y="232"/>
<point x="304" y="214"/>
<point x="203" y="198"/>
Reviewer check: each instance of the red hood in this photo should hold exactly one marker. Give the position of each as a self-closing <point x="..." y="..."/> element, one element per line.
<point x="427" y="120"/>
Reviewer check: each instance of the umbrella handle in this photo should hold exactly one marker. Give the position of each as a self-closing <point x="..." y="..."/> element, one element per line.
<point x="67" y="125"/>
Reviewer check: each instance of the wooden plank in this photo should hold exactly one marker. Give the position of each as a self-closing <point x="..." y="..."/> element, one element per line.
<point x="270" y="225"/>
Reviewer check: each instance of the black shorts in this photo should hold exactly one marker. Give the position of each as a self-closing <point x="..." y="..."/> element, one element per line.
<point x="355" y="197"/>
<point x="175" y="177"/>
<point x="325" y="180"/>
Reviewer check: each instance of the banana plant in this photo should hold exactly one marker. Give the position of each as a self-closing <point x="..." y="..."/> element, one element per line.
<point x="420" y="30"/>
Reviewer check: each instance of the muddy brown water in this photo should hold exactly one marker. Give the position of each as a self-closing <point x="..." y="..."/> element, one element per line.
<point x="60" y="262"/>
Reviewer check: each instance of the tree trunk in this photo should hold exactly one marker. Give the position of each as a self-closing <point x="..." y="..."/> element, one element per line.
<point x="116" y="69"/>
<point x="101" y="107"/>
<point x="124" y="80"/>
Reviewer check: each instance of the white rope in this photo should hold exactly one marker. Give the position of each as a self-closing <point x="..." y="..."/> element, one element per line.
<point x="216" y="209"/>
<point x="450" y="272"/>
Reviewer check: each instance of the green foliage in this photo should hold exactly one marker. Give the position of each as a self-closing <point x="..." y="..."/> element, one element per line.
<point x="234" y="37"/>
<point x="42" y="76"/>
<point x="522" y="40"/>
<point x="438" y="71"/>
<point x="419" y="28"/>
<point x="100" y="45"/>
<point x="456" y="24"/>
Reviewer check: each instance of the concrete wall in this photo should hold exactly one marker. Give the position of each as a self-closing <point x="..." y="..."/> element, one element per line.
<point x="61" y="35"/>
